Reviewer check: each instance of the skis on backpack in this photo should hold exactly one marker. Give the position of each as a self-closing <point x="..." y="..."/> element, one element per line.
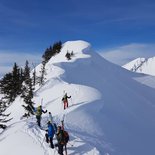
<point x="62" y="123"/>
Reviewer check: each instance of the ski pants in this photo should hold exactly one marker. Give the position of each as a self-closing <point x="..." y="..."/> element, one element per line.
<point x="38" y="117"/>
<point x="65" y="104"/>
<point x="60" y="148"/>
<point x="49" y="139"/>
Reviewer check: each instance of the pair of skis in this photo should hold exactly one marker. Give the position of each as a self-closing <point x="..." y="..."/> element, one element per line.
<point x="62" y="124"/>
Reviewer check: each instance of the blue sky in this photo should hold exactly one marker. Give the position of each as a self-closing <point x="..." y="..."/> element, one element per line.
<point x="30" y="26"/>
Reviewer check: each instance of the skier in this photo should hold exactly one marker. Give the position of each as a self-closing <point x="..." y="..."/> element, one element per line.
<point x="65" y="100"/>
<point x="62" y="138"/>
<point x="39" y="112"/>
<point x="50" y="134"/>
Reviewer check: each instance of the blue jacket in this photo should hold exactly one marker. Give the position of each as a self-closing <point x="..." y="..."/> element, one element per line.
<point x="51" y="131"/>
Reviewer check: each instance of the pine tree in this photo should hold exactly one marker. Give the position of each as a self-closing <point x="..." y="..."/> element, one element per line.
<point x="3" y="116"/>
<point x="35" y="78"/>
<point x="27" y="90"/>
<point x="26" y="72"/>
<point x="16" y="81"/>
<point x="21" y="79"/>
<point x="11" y="84"/>
<point x="68" y="55"/>
<point x="52" y="51"/>
<point x="57" y="47"/>
<point x="43" y="73"/>
<point x="72" y="53"/>
<point x="49" y="52"/>
<point x="28" y="96"/>
<point x="6" y="87"/>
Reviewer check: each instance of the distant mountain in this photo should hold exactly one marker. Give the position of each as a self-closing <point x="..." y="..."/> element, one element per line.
<point x="142" y="65"/>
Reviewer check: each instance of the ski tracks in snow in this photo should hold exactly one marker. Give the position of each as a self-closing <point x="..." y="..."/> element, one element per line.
<point x="76" y="145"/>
<point x="32" y="130"/>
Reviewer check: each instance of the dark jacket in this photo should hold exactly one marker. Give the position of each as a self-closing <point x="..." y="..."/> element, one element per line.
<point x="65" y="98"/>
<point x="60" y="137"/>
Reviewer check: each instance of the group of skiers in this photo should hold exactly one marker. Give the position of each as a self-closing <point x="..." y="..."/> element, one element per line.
<point x="61" y="135"/>
<point x="38" y="111"/>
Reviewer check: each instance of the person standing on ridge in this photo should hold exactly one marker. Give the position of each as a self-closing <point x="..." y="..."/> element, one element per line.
<point x="50" y="134"/>
<point x="65" y="100"/>
<point x="39" y="112"/>
<point x="60" y="139"/>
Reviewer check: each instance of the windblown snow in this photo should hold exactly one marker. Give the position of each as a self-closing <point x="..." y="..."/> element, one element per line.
<point x="109" y="113"/>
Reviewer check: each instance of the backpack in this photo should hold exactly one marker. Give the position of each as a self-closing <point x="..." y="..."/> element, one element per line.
<point x="64" y="97"/>
<point x="66" y="136"/>
<point x="39" y="111"/>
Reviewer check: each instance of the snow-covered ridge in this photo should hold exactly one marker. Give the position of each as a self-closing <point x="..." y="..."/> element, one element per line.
<point x="109" y="112"/>
<point x="78" y="47"/>
<point x="81" y="49"/>
<point x="142" y="65"/>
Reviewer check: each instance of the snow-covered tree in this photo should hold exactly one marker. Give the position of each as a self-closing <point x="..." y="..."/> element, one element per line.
<point x="27" y="89"/>
<point x="11" y="84"/>
<point x="43" y="73"/>
<point x="3" y="116"/>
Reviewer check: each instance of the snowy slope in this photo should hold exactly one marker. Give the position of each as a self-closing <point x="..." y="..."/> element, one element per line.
<point x="110" y="113"/>
<point x="142" y="65"/>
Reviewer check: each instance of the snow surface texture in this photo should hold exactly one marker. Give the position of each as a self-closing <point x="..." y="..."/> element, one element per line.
<point x="110" y="113"/>
<point x="142" y="65"/>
